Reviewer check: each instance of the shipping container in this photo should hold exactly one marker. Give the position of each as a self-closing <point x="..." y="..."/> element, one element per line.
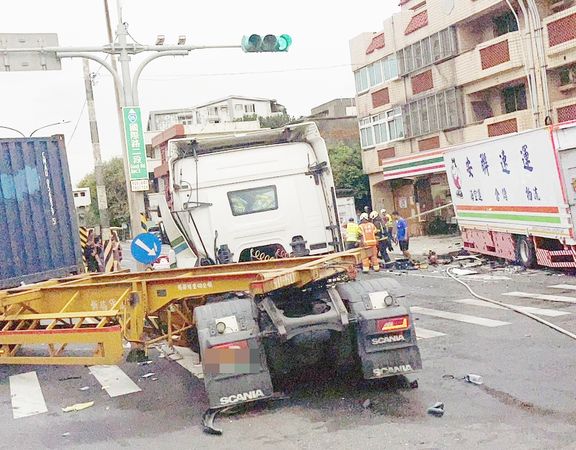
<point x="38" y="224"/>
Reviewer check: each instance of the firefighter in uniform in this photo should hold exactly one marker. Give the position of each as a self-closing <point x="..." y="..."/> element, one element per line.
<point x="369" y="240"/>
<point x="381" y="236"/>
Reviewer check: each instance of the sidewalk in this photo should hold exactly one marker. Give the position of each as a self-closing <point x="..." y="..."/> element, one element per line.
<point x="421" y="245"/>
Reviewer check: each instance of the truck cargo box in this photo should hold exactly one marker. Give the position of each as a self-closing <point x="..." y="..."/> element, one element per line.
<point x="37" y="216"/>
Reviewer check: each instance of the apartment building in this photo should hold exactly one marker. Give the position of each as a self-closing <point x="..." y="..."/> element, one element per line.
<point x="445" y="72"/>
<point x="223" y="110"/>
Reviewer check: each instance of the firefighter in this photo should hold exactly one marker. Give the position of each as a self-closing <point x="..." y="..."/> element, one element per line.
<point x="369" y="240"/>
<point x="352" y="234"/>
<point x="381" y="236"/>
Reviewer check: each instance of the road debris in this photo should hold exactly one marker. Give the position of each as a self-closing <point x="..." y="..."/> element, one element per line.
<point x="145" y="363"/>
<point x="148" y="375"/>
<point x="414" y="384"/>
<point x="437" y="409"/>
<point x="84" y="388"/>
<point x="65" y="434"/>
<point x="464" y="272"/>
<point x="474" y="379"/>
<point x="69" y="378"/>
<point x="78" y="407"/>
<point x="366" y="403"/>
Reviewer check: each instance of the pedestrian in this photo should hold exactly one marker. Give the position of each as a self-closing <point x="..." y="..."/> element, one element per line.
<point x="381" y="237"/>
<point x="389" y="224"/>
<point x="90" y="253"/>
<point x="369" y="240"/>
<point x="98" y="252"/>
<point x="353" y="234"/>
<point x="402" y="234"/>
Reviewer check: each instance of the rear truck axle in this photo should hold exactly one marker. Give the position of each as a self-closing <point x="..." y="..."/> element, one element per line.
<point x="246" y="343"/>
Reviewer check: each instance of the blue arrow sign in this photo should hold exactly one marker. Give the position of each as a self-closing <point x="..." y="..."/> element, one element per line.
<point x="145" y="248"/>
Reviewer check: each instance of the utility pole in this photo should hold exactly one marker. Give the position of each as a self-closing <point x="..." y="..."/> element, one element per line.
<point x="119" y="103"/>
<point x="98" y="169"/>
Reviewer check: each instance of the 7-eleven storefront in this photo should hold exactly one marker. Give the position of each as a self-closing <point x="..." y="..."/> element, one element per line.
<point x="412" y="185"/>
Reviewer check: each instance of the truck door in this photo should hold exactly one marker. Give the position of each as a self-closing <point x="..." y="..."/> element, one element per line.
<point x="568" y="167"/>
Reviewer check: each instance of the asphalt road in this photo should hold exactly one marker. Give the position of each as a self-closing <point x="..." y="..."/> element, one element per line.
<point x="528" y="399"/>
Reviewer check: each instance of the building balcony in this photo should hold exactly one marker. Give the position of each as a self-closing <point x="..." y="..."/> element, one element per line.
<point x="559" y="33"/>
<point x="499" y="125"/>
<point x="488" y="59"/>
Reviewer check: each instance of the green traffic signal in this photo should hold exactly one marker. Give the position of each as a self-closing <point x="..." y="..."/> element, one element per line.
<point x="269" y="43"/>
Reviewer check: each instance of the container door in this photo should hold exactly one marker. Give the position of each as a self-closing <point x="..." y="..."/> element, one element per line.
<point x="568" y="165"/>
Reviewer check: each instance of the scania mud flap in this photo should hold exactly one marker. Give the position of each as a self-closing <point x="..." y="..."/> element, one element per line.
<point x="233" y="358"/>
<point x="385" y="335"/>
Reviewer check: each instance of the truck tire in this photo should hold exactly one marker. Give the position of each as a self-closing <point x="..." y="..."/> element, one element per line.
<point x="525" y="252"/>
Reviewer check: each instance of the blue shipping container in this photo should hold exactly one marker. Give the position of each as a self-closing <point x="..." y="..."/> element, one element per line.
<point x="38" y="229"/>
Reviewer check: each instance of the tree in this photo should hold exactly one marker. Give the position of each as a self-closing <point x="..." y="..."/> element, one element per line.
<point x="348" y="175"/>
<point x="115" y="192"/>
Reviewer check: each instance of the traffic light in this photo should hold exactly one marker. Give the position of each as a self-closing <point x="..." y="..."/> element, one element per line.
<point x="268" y="43"/>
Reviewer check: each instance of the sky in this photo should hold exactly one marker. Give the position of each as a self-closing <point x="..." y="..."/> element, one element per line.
<point x="316" y="69"/>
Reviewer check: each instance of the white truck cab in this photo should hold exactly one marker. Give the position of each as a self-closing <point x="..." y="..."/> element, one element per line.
<point x="256" y="196"/>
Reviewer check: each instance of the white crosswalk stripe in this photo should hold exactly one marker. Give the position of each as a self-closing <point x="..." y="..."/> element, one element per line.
<point x="529" y="309"/>
<point x="26" y="394"/>
<point x="566" y="287"/>
<point x="423" y="333"/>
<point x="114" y="380"/>
<point x="547" y="297"/>
<point x="482" y="321"/>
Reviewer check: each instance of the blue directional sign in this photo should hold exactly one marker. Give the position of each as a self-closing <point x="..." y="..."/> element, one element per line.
<point x="146" y="248"/>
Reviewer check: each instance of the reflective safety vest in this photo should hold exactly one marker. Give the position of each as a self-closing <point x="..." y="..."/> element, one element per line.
<point x="368" y="233"/>
<point x="352" y="232"/>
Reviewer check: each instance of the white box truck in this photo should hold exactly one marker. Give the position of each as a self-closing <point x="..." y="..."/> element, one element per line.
<point x="255" y="196"/>
<point x="515" y="196"/>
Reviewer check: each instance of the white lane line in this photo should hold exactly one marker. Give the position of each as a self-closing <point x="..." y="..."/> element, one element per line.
<point x="459" y="317"/>
<point x="529" y="309"/>
<point x="114" y="380"/>
<point x="550" y="298"/>
<point x="568" y="287"/>
<point x="423" y="333"/>
<point x="27" y="397"/>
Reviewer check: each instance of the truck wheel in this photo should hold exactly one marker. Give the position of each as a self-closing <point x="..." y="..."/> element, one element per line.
<point x="525" y="252"/>
<point x="193" y="341"/>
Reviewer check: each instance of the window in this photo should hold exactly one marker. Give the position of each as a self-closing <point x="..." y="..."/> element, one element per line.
<point x="250" y="201"/>
<point x="250" y="108"/>
<point x="212" y="111"/>
<point x="506" y="23"/>
<point x="436" y="47"/>
<point x="567" y="75"/>
<point x="383" y="70"/>
<point x="381" y="128"/>
<point x="435" y="112"/>
<point x="514" y="98"/>
<point x="239" y="108"/>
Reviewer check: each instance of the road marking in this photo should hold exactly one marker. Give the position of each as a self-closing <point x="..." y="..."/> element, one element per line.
<point x="27" y="397"/>
<point x="459" y="317"/>
<point x="423" y="333"/>
<point x="571" y="287"/>
<point x="529" y="309"/>
<point x="550" y="298"/>
<point x="114" y="380"/>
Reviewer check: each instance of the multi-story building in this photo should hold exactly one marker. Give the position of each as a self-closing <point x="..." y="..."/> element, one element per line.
<point x="224" y="110"/>
<point x="445" y="72"/>
<point x="337" y="122"/>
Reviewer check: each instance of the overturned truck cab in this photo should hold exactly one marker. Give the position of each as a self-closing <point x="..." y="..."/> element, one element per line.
<point x="247" y="343"/>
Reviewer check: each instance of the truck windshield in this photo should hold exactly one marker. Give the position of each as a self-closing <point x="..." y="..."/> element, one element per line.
<point x="249" y="201"/>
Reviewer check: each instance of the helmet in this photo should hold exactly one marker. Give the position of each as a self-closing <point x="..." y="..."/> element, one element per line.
<point x="364" y="216"/>
<point x="382" y="211"/>
<point x="373" y="214"/>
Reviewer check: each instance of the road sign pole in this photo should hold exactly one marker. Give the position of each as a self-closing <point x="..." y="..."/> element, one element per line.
<point x="135" y="199"/>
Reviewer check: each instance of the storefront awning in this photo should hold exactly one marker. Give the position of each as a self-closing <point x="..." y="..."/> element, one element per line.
<point x="414" y="165"/>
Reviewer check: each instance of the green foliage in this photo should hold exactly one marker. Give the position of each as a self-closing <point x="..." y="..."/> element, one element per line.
<point x="275" y="121"/>
<point x="348" y="175"/>
<point x="115" y="192"/>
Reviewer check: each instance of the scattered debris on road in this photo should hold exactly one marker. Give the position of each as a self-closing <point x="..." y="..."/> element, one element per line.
<point x="78" y="407"/>
<point x="69" y="378"/>
<point x="84" y="388"/>
<point x="65" y="434"/>
<point x="474" y="379"/>
<point x="148" y="375"/>
<point x="437" y="409"/>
